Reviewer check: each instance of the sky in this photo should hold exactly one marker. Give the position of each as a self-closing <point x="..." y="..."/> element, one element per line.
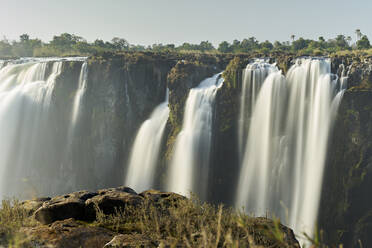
<point x="176" y="21"/>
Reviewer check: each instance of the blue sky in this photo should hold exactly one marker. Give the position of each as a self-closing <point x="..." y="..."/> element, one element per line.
<point x="177" y="21"/>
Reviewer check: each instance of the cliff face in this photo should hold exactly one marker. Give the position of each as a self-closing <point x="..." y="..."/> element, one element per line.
<point x="346" y="208"/>
<point x="122" y="90"/>
<point x="121" y="93"/>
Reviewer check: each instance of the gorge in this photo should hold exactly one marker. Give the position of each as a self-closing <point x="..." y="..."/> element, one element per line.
<point x="281" y="135"/>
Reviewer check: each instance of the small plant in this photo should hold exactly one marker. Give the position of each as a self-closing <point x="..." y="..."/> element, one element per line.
<point x="12" y="217"/>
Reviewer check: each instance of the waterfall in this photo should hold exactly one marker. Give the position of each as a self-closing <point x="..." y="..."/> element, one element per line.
<point x="67" y="164"/>
<point x="146" y="148"/>
<point x="80" y="92"/>
<point x="253" y="76"/>
<point x="285" y="151"/>
<point x="30" y="139"/>
<point x="190" y="163"/>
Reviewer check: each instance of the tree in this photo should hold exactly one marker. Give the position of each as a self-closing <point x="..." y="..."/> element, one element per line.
<point x="83" y="47"/>
<point x="299" y="44"/>
<point x="293" y="37"/>
<point x="120" y="44"/>
<point x="5" y="47"/>
<point x="24" y="38"/>
<point x="349" y="39"/>
<point x="363" y="43"/>
<point x="358" y="33"/>
<point x="99" y="43"/>
<point x="266" y="45"/>
<point x="224" y="47"/>
<point x="65" y="41"/>
<point x="341" y="41"/>
<point x="249" y="44"/>
<point x="206" y="46"/>
<point x="25" y="47"/>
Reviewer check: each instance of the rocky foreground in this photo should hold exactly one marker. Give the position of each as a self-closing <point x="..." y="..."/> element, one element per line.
<point x="119" y="217"/>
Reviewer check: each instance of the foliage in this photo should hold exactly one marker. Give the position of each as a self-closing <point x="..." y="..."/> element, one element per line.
<point x="12" y="218"/>
<point x="363" y="43"/>
<point x="70" y="44"/>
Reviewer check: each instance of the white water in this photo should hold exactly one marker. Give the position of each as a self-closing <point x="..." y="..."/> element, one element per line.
<point x="253" y="76"/>
<point x="80" y="92"/>
<point x="190" y="164"/>
<point x="28" y="142"/>
<point x="146" y="148"/>
<point x="284" y="158"/>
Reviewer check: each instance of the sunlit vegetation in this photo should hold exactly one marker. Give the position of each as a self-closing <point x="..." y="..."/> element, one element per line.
<point x="70" y="44"/>
<point x="181" y="223"/>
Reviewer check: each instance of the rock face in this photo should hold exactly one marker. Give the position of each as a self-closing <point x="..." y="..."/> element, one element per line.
<point x="346" y="205"/>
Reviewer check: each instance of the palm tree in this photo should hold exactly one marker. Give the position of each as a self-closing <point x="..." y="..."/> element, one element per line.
<point x="358" y="33"/>
<point x="293" y="37"/>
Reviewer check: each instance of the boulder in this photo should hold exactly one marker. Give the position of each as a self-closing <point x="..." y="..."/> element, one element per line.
<point x="64" y="207"/>
<point x="67" y="233"/>
<point x="32" y="205"/>
<point x="159" y="198"/>
<point x="111" y="200"/>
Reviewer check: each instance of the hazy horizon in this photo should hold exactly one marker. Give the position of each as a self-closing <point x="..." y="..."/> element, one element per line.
<point x="168" y="21"/>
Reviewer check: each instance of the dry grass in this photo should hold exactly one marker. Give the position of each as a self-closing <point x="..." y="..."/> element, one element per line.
<point x="169" y="223"/>
<point x="192" y="224"/>
<point x="12" y="218"/>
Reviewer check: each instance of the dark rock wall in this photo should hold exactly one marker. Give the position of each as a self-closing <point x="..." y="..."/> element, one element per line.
<point x="123" y="90"/>
<point x="348" y="178"/>
<point x="345" y="207"/>
<point x="121" y="94"/>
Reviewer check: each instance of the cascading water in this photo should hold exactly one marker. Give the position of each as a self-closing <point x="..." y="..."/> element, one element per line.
<point x="67" y="164"/>
<point x="29" y="144"/>
<point x="253" y="76"/>
<point x="190" y="164"/>
<point x="285" y="152"/>
<point x="80" y="92"/>
<point x="146" y="148"/>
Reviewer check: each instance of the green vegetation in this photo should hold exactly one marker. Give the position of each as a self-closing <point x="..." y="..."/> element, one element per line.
<point x="168" y="222"/>
<point x="12" y="218"/>
<point x="70" y="44"/>
<point x="185" y="223"/>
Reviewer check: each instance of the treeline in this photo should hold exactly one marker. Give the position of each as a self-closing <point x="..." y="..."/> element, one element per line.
<point x="70" y="44"/>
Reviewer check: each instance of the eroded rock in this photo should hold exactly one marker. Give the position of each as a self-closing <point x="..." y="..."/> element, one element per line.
<point x="66" y="234"/>
<point x="109" y="201"/>
<point x="64" y="207"/>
